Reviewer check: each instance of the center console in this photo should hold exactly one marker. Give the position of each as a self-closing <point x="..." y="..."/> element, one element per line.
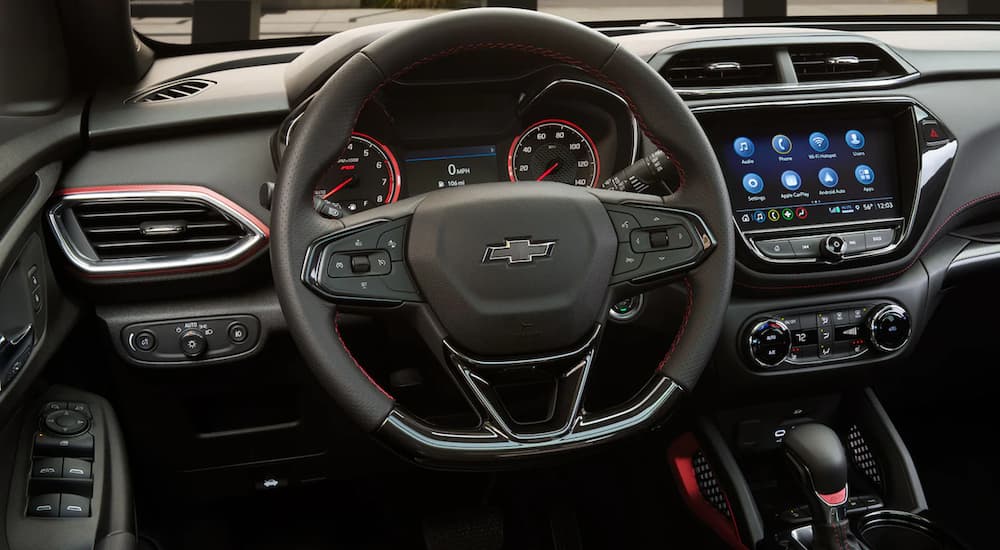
<point x="818" y="183"/>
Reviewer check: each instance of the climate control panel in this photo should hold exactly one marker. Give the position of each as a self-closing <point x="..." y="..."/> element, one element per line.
<point x="815" y="336"/>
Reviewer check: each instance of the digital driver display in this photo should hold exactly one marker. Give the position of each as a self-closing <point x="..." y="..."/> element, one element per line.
<point x="797" y="172"/>
<point x="434" y="169"/>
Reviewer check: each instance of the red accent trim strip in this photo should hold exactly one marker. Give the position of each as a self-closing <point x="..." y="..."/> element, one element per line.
<point x="680" y="456"/>
<point x="261" y="226"/>
<point x="894" y="274"/>
<point x="834" y="499"/>
<point x="343" y="344"/>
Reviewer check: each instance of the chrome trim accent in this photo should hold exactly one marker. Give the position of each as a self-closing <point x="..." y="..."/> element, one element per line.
<point x="760" y="326"/>
<point x="844" y="60"/>
<point x="92" y="265"/>
<point x="570" y="81"/>
<point x="724" y="66"/>
<point x="510" y="251"/>
<point x="873" y="318"/>
<point x="929" y="163"/>
<point x="486" y="445"/>
<point x="829" y="86"/>
<point x="478" y="385"/>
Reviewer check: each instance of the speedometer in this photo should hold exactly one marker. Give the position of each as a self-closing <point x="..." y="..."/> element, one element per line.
<point x="365" y="176"/>
<point x="554" y="150"/>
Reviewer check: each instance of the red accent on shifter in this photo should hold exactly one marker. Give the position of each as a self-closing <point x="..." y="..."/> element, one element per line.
<point x="834" y="499"/>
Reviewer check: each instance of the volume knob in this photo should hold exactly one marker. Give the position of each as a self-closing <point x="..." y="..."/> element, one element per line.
<point x="770" y="341"/>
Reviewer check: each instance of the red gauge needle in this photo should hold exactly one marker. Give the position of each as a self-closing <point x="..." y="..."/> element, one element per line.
<point x="551" y="169"/>
<point x="338" y="188"/>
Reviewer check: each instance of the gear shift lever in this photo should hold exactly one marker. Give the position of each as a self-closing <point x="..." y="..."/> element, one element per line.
<point x="819" y="459"/>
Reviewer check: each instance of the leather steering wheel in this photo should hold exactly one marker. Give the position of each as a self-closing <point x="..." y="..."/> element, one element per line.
<point x="501" y="279"/>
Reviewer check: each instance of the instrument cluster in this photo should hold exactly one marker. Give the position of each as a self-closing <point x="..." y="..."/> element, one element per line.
<point x="415" y="139"/>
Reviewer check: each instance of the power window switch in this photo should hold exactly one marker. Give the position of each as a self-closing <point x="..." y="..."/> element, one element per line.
<point x="47" y="467"/>
<point x="74" y="506"/>
<point x="74" y="468"/>
<point x="44" y="506"/>
<point x="50" y="445"/>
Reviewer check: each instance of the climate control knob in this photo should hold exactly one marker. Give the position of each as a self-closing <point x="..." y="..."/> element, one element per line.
<point x="770" y="341"/>
<point x="889" y="327"/>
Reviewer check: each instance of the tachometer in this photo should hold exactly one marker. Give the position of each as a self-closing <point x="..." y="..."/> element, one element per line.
<point x="365" y="176"/>
<point x="554" y="150"/>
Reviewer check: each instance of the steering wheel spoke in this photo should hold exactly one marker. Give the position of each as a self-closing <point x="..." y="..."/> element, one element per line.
<point x="362" y="264"/>
<point x="657" y="243"/>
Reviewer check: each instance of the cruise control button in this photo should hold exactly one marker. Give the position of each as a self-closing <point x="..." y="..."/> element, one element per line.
<point x="340" y="266"/>
<point x="776" y="248"/>
<point x="624" y="224"/>
<point x="679" y="237"/>
<point x="360" y="240"/>
<point x="380" y="263"/>
<point x="392" y="242"/>
<point x="806" y="247"/>
<point x="878" y="238"/>
<point x="360" y="264"/>
<point x="627" y="260"/>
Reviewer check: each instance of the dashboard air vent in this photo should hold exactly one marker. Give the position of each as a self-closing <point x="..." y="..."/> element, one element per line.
<point x="174" y="90"/>
<point x="840" y="62"/>
<point x="123" y="232"/>
<point x="721" y="67"/>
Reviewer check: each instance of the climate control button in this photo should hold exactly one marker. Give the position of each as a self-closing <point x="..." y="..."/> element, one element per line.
<point x="889" y="327"/>
<point x="769" y="342"/>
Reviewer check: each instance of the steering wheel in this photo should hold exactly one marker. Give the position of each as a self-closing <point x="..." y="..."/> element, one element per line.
<point x="502" y="280"/>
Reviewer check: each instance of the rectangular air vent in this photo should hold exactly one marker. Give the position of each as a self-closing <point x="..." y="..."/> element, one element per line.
<point x="149" y="231"/>
<point x="721" y="67"/>
<point x="840" y="62"/>
<point x="174" y="90"/>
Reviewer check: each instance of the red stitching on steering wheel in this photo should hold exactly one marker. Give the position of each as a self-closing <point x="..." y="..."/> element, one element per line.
<point x="336" y="328"/>
<point x="680" y="329"/>
<point x="544" y="52"/>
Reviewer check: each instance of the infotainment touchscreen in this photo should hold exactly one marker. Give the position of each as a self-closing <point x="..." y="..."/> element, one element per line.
<point x="787" y="172"/>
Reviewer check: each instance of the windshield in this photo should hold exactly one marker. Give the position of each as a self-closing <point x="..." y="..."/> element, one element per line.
<point x="207" y="21"/>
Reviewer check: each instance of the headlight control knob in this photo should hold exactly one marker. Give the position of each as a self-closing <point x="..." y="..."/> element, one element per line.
<point x="193" y="343"/>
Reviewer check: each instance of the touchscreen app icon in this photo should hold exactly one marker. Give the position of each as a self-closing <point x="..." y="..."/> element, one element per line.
<point x="864" y="174"/>
<point x="773" y="215"/>
<point x="781" y="144"/>
<point x="828" y="177"/>
<point x="759" y="216"/>
<point x="753" y="183"/>
<point x="854" y="139"/>
<point x="791" y="180"/>
<point x="743" y="147"/>
<point x="819" y="142"/>
<point x="787" y="214"/>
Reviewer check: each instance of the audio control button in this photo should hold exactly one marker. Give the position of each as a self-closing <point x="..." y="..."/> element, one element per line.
<point x="776" y="248"/>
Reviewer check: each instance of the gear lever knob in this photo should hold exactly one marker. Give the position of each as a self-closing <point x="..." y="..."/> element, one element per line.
<point x="820" y="461"/>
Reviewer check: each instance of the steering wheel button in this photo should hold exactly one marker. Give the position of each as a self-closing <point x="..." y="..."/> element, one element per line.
<point x="360" y="264"/>
<point x="392" y="242"/>
<point x="640" y="241"/>
<point x="659" y="239"/>
<point x="678" y="237"/>
<point x="624" y="224"/>
<point x="627" y="260"/>
<point x="339" y="266"/>
<point x="399" y="280"/>
<point x="379" y="263"/>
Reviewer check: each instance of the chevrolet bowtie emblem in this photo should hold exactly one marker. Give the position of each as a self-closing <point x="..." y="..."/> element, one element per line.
<point x="518" y="251"/>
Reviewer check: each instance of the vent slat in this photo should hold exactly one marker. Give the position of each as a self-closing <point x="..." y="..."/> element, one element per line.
<point x="698" y="68"/>
<point x="114" y="227"/>
<point x="175" y="90"/>
<point x="814" y="62"/>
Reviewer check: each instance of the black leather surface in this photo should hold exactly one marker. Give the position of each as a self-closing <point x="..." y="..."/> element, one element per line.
<point x="323" y="131"/>
<point x="817" y="448"/>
